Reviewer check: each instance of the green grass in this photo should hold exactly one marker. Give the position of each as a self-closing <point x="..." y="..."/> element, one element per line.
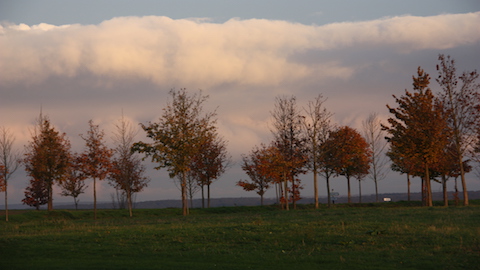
<point x="375" y="236"/>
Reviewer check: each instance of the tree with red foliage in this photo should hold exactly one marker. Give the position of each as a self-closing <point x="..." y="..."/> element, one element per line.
<point x="210" y="162"/>
<point x="96" y="158"/>
<point x="419" y="133"/>
<point x="36" y="194"/>
<point x="351" y="154"/>
<point x="259" y="166"/>
<point x="47" y="158"/>
<point x="74" y="184"/>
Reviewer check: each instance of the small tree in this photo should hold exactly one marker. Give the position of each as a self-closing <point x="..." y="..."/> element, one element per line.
<point x="127" y="170"/>
<point x="47" y="157"/>
<point x="259" y="165"/>
<point x="96" y="158"/>
<point x="9" y="162"/>
<point x="375" y="137"/>
<point x="36" y="194"/>
<point x="74" y="184"/>
<point x="178" y="136"/>
<point x="351" y="154"/>
<point x="316" y="127"/>
<point x="209" y="163"/>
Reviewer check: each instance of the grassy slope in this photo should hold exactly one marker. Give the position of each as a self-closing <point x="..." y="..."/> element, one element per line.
<point x="245" y="237"/>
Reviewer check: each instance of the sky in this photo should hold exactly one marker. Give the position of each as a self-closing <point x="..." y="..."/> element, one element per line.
<point x="79" y="60"/>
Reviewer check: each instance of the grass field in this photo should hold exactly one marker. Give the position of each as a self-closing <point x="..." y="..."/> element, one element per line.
<point x="384" y="236"/>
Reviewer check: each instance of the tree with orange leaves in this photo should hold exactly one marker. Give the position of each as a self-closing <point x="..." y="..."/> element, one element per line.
<point x="96" y="158"/>
<point x="47" y="157"/>
<point x="419" y="132"/>
<point x="259" y="165"/>
<point x="351" y="154"/>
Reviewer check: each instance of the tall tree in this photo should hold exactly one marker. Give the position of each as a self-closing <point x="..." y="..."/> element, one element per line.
<point x="96" y="158"/>
<point x="74" y="184"/>
<point x="460" y="97"/>
<point x="288" y="138"/>
<point x="9" y="162"/>
<point x="127" y="170"/>
<point x="317" y="126"/>
<point x="47" y="156"/>
<point x="351" y="154"/>
<point x="419" y="132"/>
<point x="178" y="136"/>
<point x="210" y="162"/>
<point x="375" y="137"/>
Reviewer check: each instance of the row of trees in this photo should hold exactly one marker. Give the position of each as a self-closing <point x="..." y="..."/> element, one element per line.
<point x="306" y="140"/>
<point x="49" y="160"/>
<point x="436" y="136"/>
<point x="429" y="137"/>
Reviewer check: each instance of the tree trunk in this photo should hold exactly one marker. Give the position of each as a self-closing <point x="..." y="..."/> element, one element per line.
<point x="94" y="199"/>
<point x="327" y="178"/>
<point x="294" y="201"/>
<point x="208" y="195"/>
<point x="444" y="187"/>
<point x="184" y="194"/>
<point x="315" y="185"/>
<point x="285" y="191"/>
<point x="6" y="201"/>
<point x="50" y="196"/>
<point x="203" y="196"/>
<point x="408" y="186"/>
<point x="376" y="188"/>
<point x="428" y="186"/>
<point x="464" y="186"/>
<point x="261" y="200"/>
<point x="359" y="191"/>
<point x="129" y="200"/>
<point x="349" y="193"/>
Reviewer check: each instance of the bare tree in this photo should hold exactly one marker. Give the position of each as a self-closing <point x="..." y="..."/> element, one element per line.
<point x="316" y="126"/>
<point x="9" y="161"/>
<point x="127" y="171"/>
<point x="463" y="103"/>
<point x="375" y="137"/>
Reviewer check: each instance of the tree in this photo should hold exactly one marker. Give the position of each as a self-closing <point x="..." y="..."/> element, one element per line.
<point x="37" y="193"/>
<point x="351" y="154"/>
<point x="9" y="162"/>
<point x="127" y="171"/>
<point x="178" y="136"/>
<point x="259" y="165"/>
<point x="460" y="97"/>
<point x="47" y="157"/>
<point x="287" y="131"/>
<point x="316" y="127"/>
<point x="419" y="132"/>
<point x="74" y="184"/>
<point x="210" y="162"/>
<point x="96" y="158"/>
<point x="375" y="138"/>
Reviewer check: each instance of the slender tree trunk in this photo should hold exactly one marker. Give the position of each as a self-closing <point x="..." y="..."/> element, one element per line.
<point x="76" y="202"/>
<point x="285" y="191"/>
<point x="6" y="201"/>
<point x="428" y="185"/>
<point x="376" y="188"/>
<point x="464" y="185"/>
<point x="208" y="195"/>
<point x="456" y="192"/>
<point x="203" y="196"/>
<point x="359" y="191"/>
<point x="294" y="201"/>
<point x="50" y="196"/>
<point x="94" y="198"/>
<point x="261" y="200"/>
<point x="349" y="193"/>
<point x="315" y="185"/>
<point x="129" y="199"/>
<point x="408" y="186"/>
<point x="424" y="198"/>
<point x="327" y="178"/>
<point x="444" y="187"/>
<point x="184" y="194"/>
